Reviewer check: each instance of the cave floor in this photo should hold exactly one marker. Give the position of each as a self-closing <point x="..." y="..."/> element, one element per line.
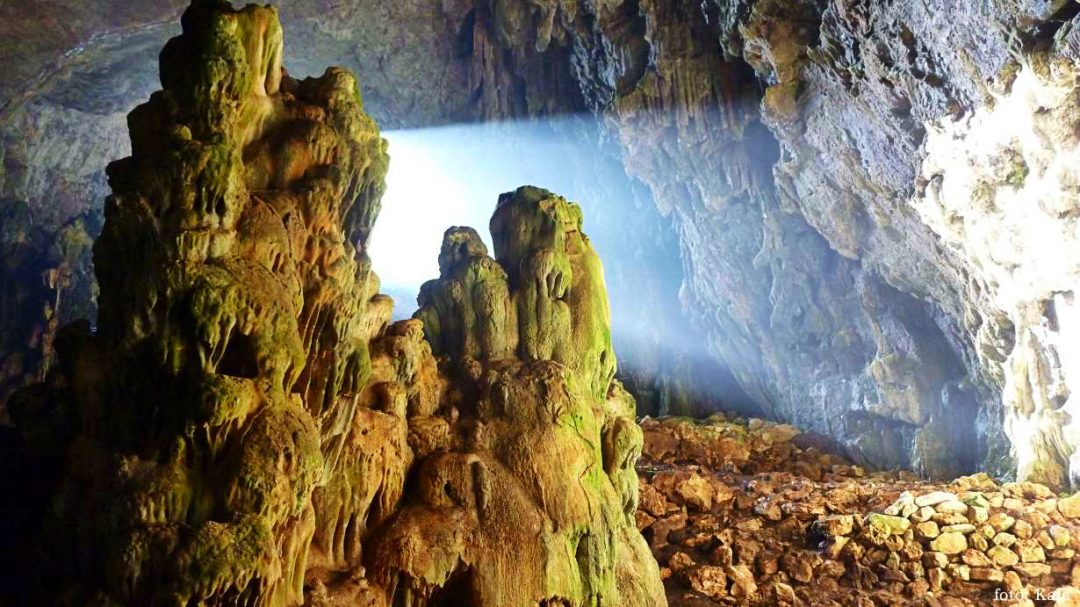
<point x="745" y="512"/>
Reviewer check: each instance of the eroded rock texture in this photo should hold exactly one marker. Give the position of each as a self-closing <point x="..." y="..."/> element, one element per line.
<point x="536" y="498"/>
<point x="423" y="63"/>
<point x="849" y="208"/>
<point x="244" y="427"/>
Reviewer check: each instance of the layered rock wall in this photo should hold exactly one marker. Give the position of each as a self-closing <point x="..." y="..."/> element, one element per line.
<point x="800" y="148"/>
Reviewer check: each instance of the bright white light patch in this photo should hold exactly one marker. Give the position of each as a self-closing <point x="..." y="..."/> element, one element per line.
<point x="1004" y="195"/>
<point x="423" y="198"/>
<point x="453" y="176"/>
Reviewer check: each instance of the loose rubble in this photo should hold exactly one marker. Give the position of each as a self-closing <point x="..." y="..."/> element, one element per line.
<point x="746" y="512"/>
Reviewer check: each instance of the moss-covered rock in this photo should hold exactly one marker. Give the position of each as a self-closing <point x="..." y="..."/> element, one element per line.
<point x="542" y="483"/>
<point x="235" y="318"/>
<point x="245" y="426"/>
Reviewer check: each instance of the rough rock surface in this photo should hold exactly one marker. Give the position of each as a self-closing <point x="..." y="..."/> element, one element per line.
<point x="244" y="427"/>
<point x="745" y="512"/>
<point x="859" y="238"/>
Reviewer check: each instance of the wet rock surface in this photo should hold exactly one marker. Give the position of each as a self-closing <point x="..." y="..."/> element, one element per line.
<point x="746" y="512"/>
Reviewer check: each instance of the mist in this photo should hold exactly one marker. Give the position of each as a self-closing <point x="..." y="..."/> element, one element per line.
<point x="453" y="176"/>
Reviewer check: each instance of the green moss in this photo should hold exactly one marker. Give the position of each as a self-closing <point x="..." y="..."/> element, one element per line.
<point x="221" y="554"/>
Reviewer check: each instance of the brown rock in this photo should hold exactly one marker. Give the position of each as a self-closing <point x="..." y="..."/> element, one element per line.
<point x="835" y="546"/>
<point x="954" y="507"/>
<point x="680" y="561"/>
<point x="696" y="492"/>
<point x="949" y="543"/>
<point x="1005" y="540"/>
<point x="831" y="568"/>
<point x="1030" y="551"/>
<point x="895" y="575"/>
<point x="974" y="558"/>
<point x="1002" y="557"/>
<point x="769" y="509"/>
<point x="1012" y="582"/>
<point x="768" y="564"/>
<point x="1063" y="553"/>
<point x="937" y="578"/>
<point x="1023" y="529"/>
<point x="750" y="525"/>
<point x="785" y="594"/>
<point x="1012" y="504"/>
<point x="1069" y="507"/>
<point x="986" y="574"/>
<point x="935" y="498"/>
<point x="663" y="527"/>
<point x="1032" y="570"/>
<point x="709" y="581"/>
<point x="643" y="520"/>
<point x="652" y="501"/>
<point x="747" y="550"/>
<point x="743" y="584"/>
<point x="935" y="559"/>
<point x="1062" y="537"/>
<point x="979" y="542"/>
<point x="963" y="528"/>
<point x="918" y="588"/>
<point x="927" y="530"/>
<point x="799" y="567"/>
<point x="836" y="525"/>
<point x="961" y="572"/>
<point x="1001" y="521"/>
<point x="1044" y="539"/>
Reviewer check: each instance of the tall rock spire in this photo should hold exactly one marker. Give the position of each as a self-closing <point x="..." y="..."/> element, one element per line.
<point x="235" y="319"/>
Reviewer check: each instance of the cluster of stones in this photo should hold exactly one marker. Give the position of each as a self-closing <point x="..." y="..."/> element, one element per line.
<point x="977" y="537"/>
<point x="746" y="512"/>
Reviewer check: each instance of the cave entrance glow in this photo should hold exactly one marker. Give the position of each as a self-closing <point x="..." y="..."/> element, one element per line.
<point x="453" y="176"/>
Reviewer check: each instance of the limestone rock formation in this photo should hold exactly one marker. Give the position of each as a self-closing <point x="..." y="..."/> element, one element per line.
<point x="232" y="339"/>
<point x="243" y="426"/>
<point x="550" y="435"/>
<point x="423" y="63"/>
<point x="867" y="251"/>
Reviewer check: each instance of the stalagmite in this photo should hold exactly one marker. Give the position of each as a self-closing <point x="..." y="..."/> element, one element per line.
<point x="244" y="426"/>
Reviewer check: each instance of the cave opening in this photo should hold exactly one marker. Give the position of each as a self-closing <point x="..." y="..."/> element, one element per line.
<point x="447" y="176"/>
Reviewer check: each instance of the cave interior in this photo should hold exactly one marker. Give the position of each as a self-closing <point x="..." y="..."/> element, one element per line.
<point x="539" y="303"/>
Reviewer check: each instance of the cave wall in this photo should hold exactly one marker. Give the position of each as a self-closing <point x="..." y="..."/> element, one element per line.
<point x="854" y="276"/>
